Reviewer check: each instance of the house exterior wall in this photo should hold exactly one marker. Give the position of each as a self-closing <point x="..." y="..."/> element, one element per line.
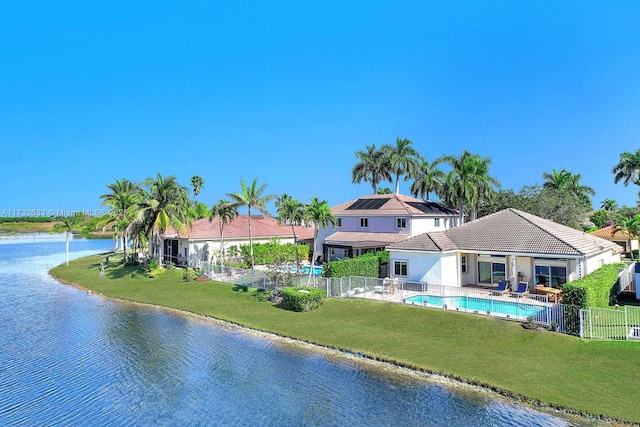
<point x="596" y="261"/>
<point x="196" y="251"/>
<point x="427" y="267"/>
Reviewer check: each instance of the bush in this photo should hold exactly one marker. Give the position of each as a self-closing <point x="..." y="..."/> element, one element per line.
<point x="156" y="272"/>
<point x="366" y="265"/>
<point x="594" y="290"/>
<point x="302" y="298"/>
<point x="190" y="274"/>
<point x="269" y="253"/>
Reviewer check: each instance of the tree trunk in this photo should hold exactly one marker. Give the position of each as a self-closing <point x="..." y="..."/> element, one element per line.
<point x="397" y="184"/>
<point x="250" y="240"/>
<point x="67" y="245"/>
<point x="295" y="242"/>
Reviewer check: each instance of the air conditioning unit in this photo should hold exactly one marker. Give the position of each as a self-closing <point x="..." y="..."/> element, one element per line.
<point x="634" y="333"/>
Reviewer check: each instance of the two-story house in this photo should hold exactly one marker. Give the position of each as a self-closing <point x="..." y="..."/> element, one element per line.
<point x="370" y="223"/>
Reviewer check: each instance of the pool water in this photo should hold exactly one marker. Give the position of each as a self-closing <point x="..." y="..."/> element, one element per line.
<point x="317" y="271"/>
<point x="478" y="304"/>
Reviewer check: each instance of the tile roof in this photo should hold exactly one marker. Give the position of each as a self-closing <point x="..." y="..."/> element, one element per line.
<point x="261" y="227"/>
<point x="610" y="232"/>
<point x="391" y="204"/>
<point x="510" y="231"/>
<point x="363" y="239"/>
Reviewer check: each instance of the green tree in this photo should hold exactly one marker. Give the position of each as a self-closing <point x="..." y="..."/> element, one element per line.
<point x="251" y="197"/>
<point x="630" y="227"/>
<point x="384" y="190"/>
<point x="428" y="179"/>
<point x="563" y="180"/>
<point x="628" y="168"/>
<point x="609" y="205"/>
<point x="403" y="160"/>
<point x="372" y="167"/>
<point x="66" y="225"/>
<point x="469" y="182"/>
<point x="165" y="203"/>
<point x="198" y="210"/>
<point x="197" y="183"/>
<point x="291" y="211"/>
<point x="226" y="212"/>
<point x="122" y="200"/>
<point x="318" y="213"/>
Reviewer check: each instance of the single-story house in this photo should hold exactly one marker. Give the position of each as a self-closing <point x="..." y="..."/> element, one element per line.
<point x="626" y="241"/>
<point x="370" y="223"/>
<point x="202" y="241"/>
<point x="508" y="245"/>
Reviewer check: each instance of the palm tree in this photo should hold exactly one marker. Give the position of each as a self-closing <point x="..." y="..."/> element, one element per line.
<point x="164" y="203"/>
<point x="290" y="211"/>
<point x="197" y="183"/>
<point x="609" y="205"/>
<point x="123" y="200"/>
<point x="630" y="227"/>
<point x="384" y="190"/>
<point x="563" y="180"/>
<point x="403" y="160"/>
<point x="319" y="214"/>
<point x="469" y="181"/>
<point x="428" y="179"/>
<point x="373" y="167"/>
<point x="226" y="212"/>
<point x="628" y="168"/>
<point x="66" y="225"/>
<point x="251" y="197"/>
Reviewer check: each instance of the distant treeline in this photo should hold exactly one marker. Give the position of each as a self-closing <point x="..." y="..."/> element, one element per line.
<point x="25" y="219"/>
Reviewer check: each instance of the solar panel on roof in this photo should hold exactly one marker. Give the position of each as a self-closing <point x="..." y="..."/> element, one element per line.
<point x="362" y="204"/>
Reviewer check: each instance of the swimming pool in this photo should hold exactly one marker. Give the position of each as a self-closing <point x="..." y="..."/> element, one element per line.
<point x="481" y="305"/>
<point x="317" y="271"/>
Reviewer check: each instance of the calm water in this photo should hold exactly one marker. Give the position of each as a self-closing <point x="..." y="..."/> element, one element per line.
<point x="71" y="358"/>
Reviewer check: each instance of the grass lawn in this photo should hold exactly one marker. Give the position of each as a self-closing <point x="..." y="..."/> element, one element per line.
<point x="594" y="377"/>
<point x="10" y="228"/>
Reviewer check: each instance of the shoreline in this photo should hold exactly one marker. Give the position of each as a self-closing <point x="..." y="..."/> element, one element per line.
<point x="387" y="365"/>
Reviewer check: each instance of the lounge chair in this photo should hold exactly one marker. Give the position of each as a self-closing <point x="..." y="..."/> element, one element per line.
<point x="503" y="286"/>
<point x="523" y="288"/>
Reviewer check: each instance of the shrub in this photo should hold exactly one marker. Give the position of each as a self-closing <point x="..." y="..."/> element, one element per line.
<point x="156" y="272"/>
<point x="190" y="274"/>
<point x="302" y="298"/>
<point x="366" y="265"/>
<point x="269" y="253"/>
<point x="593" y="290"/>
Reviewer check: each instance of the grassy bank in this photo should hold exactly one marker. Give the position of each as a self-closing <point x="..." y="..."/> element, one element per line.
<point x="593" y="377"/>
<point x="10" y="228"/>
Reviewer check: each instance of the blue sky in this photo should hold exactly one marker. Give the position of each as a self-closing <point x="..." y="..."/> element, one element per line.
<point x="288" y="91"/>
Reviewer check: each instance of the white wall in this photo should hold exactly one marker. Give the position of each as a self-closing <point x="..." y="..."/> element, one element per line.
<point x="433" y="268"/>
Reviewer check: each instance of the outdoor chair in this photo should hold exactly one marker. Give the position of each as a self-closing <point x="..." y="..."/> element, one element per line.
<point x="503" y="286"/>
<point x="523" y="288"/>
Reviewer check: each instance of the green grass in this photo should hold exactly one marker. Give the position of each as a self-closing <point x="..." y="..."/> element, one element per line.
<point x="592" y="377"/>
<point x="9" y="228"/>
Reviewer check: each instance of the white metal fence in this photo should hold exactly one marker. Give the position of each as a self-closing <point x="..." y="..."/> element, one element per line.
<point x="594" y="323"/>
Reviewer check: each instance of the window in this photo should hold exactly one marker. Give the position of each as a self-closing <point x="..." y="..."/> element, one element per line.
<point x="364" y="222"/>
<point x="338" y="222"/>
<point x="400" y="268"/>
<point x="401" y="222"/>
<point x="463" y="263"/>
<point x="436" y="222"/>
<point x="491" y="272"/>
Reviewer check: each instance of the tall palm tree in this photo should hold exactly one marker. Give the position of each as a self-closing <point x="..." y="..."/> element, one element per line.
<point x="226" y="212"/>
<point x="197" y="183"/>
<point x="628" y="168"/>
<point x="372" y="167"/>
<point x="290" y="211"/>
<point x="66" y="225"/>
<point x="563" y="180"/>
<point x="469" y="181"/>
<point x="403" y="160"/>
<point x="164" y="203"/>
<point x="123" y="200"/>
<point x="319" y="214"/>
<point x="429" y="179"/>
<point x="251" y="197"/>
<point x="609" y="205"/>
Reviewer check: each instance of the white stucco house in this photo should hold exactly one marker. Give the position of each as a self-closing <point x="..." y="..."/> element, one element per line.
<point x="508" y="245"/>
<point x="202" y="241"/>
<point x="370" y="223"/>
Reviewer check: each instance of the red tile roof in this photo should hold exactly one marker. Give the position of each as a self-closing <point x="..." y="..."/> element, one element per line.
<point x="261" y="227"/>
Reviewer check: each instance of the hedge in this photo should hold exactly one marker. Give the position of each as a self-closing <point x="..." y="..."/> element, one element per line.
<point x="594" y="290"/>
<point x="366" y="265"/>
<point x="270" y="253"/>
<point x="302" y="299"/>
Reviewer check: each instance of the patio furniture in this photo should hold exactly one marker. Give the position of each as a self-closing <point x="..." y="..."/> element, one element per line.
<point x="523" y="288"/>
<point x="503" y="286"/>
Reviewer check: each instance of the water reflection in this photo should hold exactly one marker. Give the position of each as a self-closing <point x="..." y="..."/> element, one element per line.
<point x="70" y="358"/>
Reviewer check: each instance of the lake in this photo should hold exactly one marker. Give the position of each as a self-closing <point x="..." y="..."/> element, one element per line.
<point x="68" y="357"/>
